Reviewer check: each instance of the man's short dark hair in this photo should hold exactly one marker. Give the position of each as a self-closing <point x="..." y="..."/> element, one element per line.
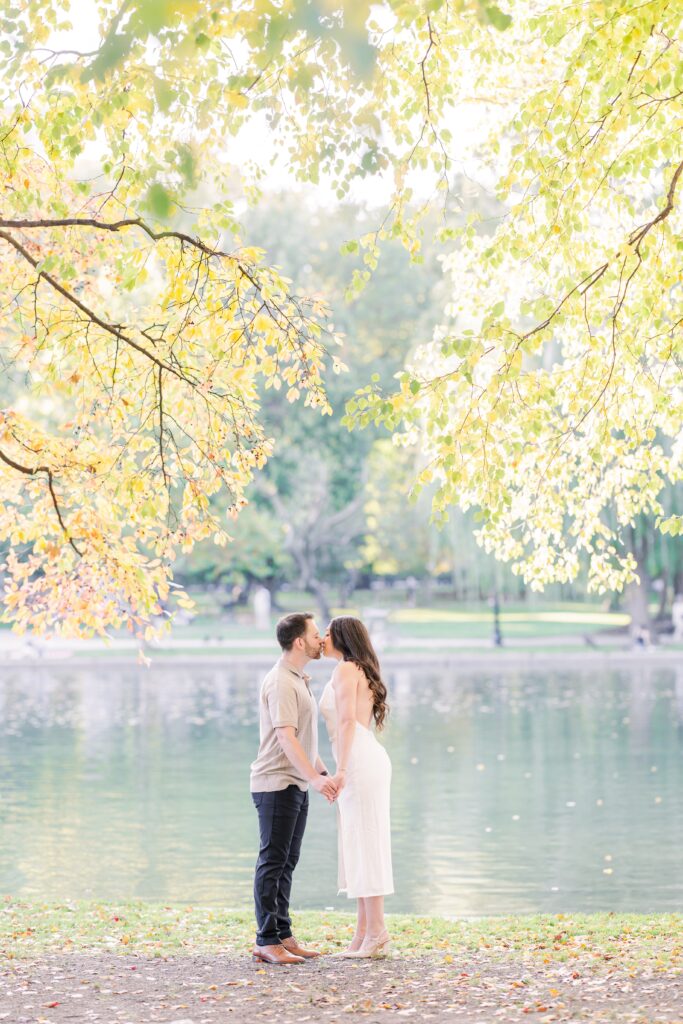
<point x="291" y="627"/>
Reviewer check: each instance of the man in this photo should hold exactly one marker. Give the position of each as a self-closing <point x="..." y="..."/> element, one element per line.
<point x="287" y="763"/>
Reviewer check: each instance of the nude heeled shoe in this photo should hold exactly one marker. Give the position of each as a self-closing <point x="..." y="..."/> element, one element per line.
<point x="373" y="945"/>
<point x="344" y="952"/>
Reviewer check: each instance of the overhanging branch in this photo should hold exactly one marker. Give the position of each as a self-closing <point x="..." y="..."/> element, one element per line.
<point x="32" y="471"/>
<point x="110" y="328"/>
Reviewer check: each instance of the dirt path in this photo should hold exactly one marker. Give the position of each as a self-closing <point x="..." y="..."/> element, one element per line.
<point x="78" y="987"/>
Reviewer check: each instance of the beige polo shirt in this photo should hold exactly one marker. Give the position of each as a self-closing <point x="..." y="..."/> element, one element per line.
<point x="285" y="699"/>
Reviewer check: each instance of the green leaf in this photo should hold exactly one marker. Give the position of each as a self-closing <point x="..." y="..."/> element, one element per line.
<point x="154" y="15"/>
<point x="159" y="201"/>
<point x="111" y="53"/>
<point x="164" y="94"/>
<point x="186" y="163"/>
<point x="495" y="17"/>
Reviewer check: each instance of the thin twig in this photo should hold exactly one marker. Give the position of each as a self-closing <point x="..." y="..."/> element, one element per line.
<point x="31" y="471"/>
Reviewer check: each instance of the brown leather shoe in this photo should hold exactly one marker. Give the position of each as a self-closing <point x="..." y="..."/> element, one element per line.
<point x="292" y="946"/>
<point x="275" y="955"/>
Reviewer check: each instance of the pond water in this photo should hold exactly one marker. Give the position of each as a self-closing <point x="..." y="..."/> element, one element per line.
<point x="513" y="791"/>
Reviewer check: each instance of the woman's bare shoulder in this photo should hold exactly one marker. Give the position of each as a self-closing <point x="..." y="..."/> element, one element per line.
<point x="345" y="674"/>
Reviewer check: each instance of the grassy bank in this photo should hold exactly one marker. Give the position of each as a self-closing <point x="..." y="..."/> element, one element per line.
<point x="441" y="620"/>
<point x="28" y="929"/>
<point x="445" y="628"/>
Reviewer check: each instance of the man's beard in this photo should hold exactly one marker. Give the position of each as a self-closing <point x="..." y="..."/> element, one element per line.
<point x="314" y="654"/>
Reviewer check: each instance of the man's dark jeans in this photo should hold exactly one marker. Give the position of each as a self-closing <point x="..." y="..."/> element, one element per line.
<point x="282" y="822"/>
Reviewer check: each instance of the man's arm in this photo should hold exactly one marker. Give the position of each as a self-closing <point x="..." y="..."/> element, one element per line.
<point x="295" y="753"/>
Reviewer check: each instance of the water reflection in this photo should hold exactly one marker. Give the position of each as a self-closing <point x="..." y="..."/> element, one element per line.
<point x="513" y="791"/>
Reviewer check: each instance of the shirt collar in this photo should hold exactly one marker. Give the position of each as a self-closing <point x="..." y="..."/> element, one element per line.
<point x="302" y="675"/>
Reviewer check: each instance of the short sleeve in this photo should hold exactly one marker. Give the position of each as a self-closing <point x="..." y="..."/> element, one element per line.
<point x="282" y="704"/>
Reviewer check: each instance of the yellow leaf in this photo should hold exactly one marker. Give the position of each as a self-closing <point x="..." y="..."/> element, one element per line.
<point x="236" y="99"/>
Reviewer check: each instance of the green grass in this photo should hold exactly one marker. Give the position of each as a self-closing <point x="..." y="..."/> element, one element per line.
<point x="442" y="621"/>
<point x="28" y="929"/>
<point x="469" y="624"/>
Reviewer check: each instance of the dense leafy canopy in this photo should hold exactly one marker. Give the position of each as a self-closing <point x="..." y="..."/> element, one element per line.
<point x="143" y="325"/>
<point x="142" y="343"/>
<point x="556" y="404"/>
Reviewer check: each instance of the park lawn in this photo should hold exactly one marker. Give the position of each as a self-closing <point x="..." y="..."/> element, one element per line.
<point x="482" y="629"/>
<point x="31" y="928"/>
<point x="444" y="620"/>
<point x="441" y="621"/>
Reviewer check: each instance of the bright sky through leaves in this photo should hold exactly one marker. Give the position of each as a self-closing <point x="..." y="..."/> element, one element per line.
<point x="144" y="326"/>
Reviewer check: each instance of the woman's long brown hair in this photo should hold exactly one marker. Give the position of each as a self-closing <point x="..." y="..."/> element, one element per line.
<point x="351" y="638"/>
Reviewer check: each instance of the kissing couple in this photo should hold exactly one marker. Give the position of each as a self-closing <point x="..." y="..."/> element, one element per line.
<point x="353" y="704"/>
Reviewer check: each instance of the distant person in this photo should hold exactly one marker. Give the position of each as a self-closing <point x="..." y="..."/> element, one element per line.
<point x="641" y="638"/>
<point x="286" y="764"/>
<point x="352" y="703"/>
<point x="411" y="591"/>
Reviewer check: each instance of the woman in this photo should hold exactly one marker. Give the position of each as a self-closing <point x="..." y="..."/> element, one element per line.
<point x="352" y="702"/>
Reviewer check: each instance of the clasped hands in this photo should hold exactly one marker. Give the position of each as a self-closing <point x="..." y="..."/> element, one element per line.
<point x="329" y="786"/>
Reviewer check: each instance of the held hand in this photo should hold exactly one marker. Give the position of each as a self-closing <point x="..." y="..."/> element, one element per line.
<point x="340" y="781"/>
<point x="326" y="786"/>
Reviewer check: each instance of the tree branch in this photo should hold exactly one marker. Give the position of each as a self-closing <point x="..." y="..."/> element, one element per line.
<point x="128" y="222"/>
<point x="28" y="471"/>
<point x="112" y="329"/>
<point x="424" y="72"/>
<point x="161" y="436"/>
<point x="279" y="316"/>
<point x="639" y="234"/>
<point x="635" y="239"/>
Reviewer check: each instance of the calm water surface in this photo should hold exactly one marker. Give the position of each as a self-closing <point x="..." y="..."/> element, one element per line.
<point x="514" y="791"/>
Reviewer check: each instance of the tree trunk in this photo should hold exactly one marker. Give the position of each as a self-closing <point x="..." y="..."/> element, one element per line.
<point x="636" y="600"/>
<point x="664" y="597"/>
<point x="677" y="568"/>
<point x="348" y="586"/>
<point x="637" y="593"/>
<point x="316" y="588"/>
<point x="274" y="588"/>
